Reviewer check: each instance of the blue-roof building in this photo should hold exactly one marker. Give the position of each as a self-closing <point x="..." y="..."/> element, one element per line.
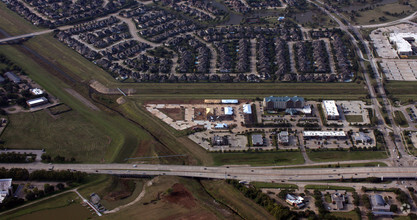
<point x="283" y="102"/>
<point x="12" y="77"/>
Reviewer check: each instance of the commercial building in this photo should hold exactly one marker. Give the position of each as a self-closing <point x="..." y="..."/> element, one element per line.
<point x="247" y="109"/>
<point x="230" y="101"/>
<point x="5" y="188"/>
<point x="257" y="140"/>
<point x="379" y="204"/>
<point x="220" y="140"/>
<point x="330" y="110"/>
<point x="361" y="137"/>
<point x="37" y="102"/>
<point x="405" y="42"/>
<point x="293" y="200"/>
<point x="228" y="110"/>
<point x="339" y="200"/>
<point x="282" y="103"/>
<point x="324" y="134"/>
<point x="36" y="91"/>
<point x="221" y="126"/>
<point x="12" y="77"/>
<point x="2" y="80"/>
<point x="283" y="138"/>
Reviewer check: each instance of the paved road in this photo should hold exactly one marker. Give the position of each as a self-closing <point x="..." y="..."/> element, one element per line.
<point x="25" y="36"/>
<point x="395" y="146"/>
<point x="232" y="172"/>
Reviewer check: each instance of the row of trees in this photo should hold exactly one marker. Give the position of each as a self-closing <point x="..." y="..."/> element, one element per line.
<point x="11" y="157"/>
<point x="44" y="175"/>
<point x="57" y="159"/>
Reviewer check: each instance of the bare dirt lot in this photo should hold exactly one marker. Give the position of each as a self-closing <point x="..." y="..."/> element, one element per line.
<point x="177" y="114"/>
<point x="181" y="196"/>
<point x="200" y="114"/>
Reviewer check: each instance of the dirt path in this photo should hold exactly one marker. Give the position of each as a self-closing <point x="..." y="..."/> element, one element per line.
<point x="82" y="99"/>
<point x="141" y="195"/>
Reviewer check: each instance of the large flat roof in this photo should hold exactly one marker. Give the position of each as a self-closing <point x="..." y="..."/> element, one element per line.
<point x="324" y="133"/>
<point x="402" y="44"/>
<point x="330" y="108"/>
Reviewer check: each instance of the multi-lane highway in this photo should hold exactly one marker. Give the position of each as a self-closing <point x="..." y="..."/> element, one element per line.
<point x="267" y="174"/>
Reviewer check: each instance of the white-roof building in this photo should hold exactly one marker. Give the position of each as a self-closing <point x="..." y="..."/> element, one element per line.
<point x="37" y="102"/>
<point x="330" y="110"/>
<point x="5" y="188"/>
<point x="221" y="126"/>
<point x="228" y="110"/>
<point x="230" y="101"/>
<point x="401" y="40"/>
<point x="324" y="134"/>
<point x="247" y="109"/>
<point x="36" y="91"/>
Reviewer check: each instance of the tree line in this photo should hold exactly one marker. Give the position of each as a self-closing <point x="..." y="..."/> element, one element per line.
<point x="43" y="175"/>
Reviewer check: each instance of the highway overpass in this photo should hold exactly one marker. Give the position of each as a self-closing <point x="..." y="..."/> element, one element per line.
<point x="248" y="173"/>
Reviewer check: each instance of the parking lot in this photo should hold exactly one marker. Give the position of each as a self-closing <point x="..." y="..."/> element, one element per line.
<point x="400" y="69"/>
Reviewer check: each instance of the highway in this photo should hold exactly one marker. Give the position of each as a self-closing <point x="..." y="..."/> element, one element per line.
<point x="266" y="174"/>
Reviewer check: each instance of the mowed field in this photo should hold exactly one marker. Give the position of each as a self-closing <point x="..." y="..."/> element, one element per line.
<point x="69" y="135"/>
<point x="15" y="24"/>
<point x="330" y="156"/>
<point x="378" y="11"/>
<point x="258" y="159"/>
<point x="403" y="91"/>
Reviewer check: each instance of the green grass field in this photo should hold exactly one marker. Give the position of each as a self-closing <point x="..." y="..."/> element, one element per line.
<point x="403" y="91"/>
<point x="370" y="164"/>
<point x="274" y="185"/>
<point x="374" y="14"/>
<point x="227" y="194"/>
<point x="70" y="135"/>
<point x="330" y="156"/>
<point x="354" y="118"/>
<point x="258" y="159"/>
<point x="346" y="215"/>
<point x="400" y="119"/>
<point x="329" y="187"/>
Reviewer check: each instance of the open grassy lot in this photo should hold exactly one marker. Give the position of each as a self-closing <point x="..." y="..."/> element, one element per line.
<point x="53" y="203"/>
<point x="400" y="119"/>
<point x="121" y="133"/>
<point x="162" y="200"/>
<point x="258" y="159"/>
<point x="372" y="16"/>
<point x="354" y="118"/>
<point x="274" y="185"/>
<point x="226" y="194"/>
<point x="370" y="164"/>
<point x="346" y="215"/>
<point x="70" y="135"/>
<point x="328" y="156"/>
<point x="326" y="187"/>
<point x="15" y="24"/>
<point x="402" y="91"/>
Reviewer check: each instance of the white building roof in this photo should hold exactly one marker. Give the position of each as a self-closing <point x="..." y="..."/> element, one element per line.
<point x="330" y="108"/>
<point x="403" y="46"/>
<point x="228" y="110"/>
<point x="5" y="186"/>
<point x="324" y="133"/>
<point x="37" y="100"/>
<point x="247" y="109"/>
<point x="230" y="101"/>
<point x="221" y="125"/>
<point x="36" y="91"/>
